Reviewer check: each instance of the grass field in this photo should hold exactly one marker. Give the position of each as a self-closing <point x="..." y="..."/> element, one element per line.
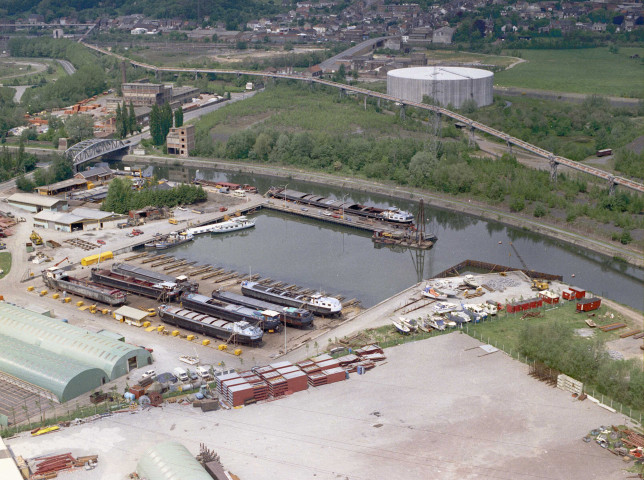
<point x="586" y="71"/>
<point x="440" y="56"/>
<point x="5" y="263"/>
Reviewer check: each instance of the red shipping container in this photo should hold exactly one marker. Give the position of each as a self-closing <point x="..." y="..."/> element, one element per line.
<point x="589" y="304"/>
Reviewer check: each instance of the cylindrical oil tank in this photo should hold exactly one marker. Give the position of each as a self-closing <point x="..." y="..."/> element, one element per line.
<point x="447" y="85"/>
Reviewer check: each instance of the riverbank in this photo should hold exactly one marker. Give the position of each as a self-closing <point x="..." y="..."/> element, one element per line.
<point x="474" y="208"/>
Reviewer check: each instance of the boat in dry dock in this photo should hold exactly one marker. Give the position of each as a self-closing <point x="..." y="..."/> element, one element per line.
<point x="265" y="319"/>
<point x="315" y="302"/>
<point x="166" y="291"/>
<point x="59" y="279"/>
<point x="234" y="332"/>
<point x="391" y="215"/>
<point x="291" y="316"/>
<point x="154" y="277"/>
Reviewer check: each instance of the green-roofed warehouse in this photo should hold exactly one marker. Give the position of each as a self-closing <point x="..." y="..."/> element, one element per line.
<point x="113" y="357"/>
<point x="170" y="461"/>
<point x="63" y="377"/>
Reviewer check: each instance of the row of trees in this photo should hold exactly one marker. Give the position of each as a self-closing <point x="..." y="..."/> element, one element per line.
<point x="161" y="120"/>
<point x="126" y="121"/>
<point x="586" y="360"/>
<point x="121" y="198"/>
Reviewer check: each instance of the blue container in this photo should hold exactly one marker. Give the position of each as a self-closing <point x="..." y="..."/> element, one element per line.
<point x="360" y="370"/>
<point x="346" y="375"/>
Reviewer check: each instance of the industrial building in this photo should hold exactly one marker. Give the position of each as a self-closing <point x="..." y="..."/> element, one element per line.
<point x="81" y="219"/>
<point x="446" y="85"/>
<point x="37" y="203"/>
<point x="181" y="140"/>
<point x="170" y="460"/>
<point x="59" y="360"/>
<point x="148" y="94"/>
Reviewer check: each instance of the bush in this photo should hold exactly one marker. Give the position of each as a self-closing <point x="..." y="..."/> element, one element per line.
<point x="517" y="204"/>
<point x="539" y="210"/>
<point x="625" y="237"/>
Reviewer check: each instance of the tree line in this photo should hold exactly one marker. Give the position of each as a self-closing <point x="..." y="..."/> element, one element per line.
<point x="121" y="197"/>
<point x="586" y="360"/>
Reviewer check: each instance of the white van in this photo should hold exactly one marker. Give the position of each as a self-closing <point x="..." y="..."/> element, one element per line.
<point x="239" y="193"/>
<point x="181" y="374"/>
<point x="204" y="373"/>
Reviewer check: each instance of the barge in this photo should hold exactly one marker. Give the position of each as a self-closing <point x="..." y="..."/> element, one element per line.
<point x="316" y="302"/>
<point x="173" y="239"/>
<point x="391" y="215"/>
<point x="234" y="332"/>
<point x="291" y="316"/>
<point x="154" y="277"/>
<point x="166" y="291"/>
<point x="265" y="319"/>
<point x="232" y="225"/>
<point x="59" y="279"/>
<point x="229" y="185"/>
<point x="405" y="238"/>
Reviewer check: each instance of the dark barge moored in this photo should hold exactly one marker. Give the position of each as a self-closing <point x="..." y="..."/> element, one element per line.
<point x="59" y="279"/>
<point x="291" y="316"/>
<point x="265" y="319"/>
<point x="234" y="332"/>
<point x="316" y="302"/>
<point x="390" y="215"/>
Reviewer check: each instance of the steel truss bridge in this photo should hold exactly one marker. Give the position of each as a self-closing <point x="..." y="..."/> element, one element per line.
<point x="88" y="150"/>
<point x="555" y="161"/>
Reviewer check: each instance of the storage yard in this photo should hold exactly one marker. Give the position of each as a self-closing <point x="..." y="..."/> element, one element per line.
<point x="472" y="416"/>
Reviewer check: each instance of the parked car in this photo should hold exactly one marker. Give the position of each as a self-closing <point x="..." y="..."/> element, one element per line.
<point x="100" y="242"/>
<point x="148" y="374"/>
<point x="136" y="231"/>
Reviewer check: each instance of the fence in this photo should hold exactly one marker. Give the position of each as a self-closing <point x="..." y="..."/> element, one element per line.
<point x="634" y="415"/>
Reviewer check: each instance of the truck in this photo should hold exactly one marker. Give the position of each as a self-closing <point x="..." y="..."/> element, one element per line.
<point x="181" y="374"/>
<point x="204" y="373"/>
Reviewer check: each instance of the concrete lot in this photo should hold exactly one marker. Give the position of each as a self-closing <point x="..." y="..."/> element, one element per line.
<point x="435" y="409"/>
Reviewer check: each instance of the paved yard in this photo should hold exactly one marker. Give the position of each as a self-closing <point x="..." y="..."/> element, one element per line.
<point x="435" y="409"/>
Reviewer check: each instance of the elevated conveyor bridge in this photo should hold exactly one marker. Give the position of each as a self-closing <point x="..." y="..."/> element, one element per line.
<point x="554" y="160"/>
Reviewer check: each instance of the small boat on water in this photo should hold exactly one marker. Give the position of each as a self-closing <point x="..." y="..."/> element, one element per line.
<point x="161" y="242"/>
<point x="400" y="327"/>
<point x="232" y="225"/>
<point x="430" y="292"/>
<point x="470" y="281"/>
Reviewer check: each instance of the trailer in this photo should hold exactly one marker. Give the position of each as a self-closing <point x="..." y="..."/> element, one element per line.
<point x="588" y="304"/>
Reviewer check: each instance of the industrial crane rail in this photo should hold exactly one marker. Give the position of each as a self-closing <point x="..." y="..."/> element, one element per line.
<point x="554" y="159"/>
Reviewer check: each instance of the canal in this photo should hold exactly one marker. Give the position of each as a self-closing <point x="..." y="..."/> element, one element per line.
<point x="345" y="261"/>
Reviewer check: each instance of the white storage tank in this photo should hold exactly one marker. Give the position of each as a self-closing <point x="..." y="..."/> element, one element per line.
<point x="448" y="85"/>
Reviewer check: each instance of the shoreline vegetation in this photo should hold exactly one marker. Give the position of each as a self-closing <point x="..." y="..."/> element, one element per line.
<point x="630" y="256"/>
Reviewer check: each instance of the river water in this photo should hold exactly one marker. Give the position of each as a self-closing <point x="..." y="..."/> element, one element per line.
<point x="341" y="260"/>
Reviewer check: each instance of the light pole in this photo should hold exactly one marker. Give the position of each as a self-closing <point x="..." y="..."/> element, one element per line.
<point x="343" y="200"/>
<point x="285" y="195"/>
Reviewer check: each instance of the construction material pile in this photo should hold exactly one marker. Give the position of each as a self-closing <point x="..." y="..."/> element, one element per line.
<point x="49" y="466"/>
<point x="283" y="378"/>
<point x="620" y="440"/>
